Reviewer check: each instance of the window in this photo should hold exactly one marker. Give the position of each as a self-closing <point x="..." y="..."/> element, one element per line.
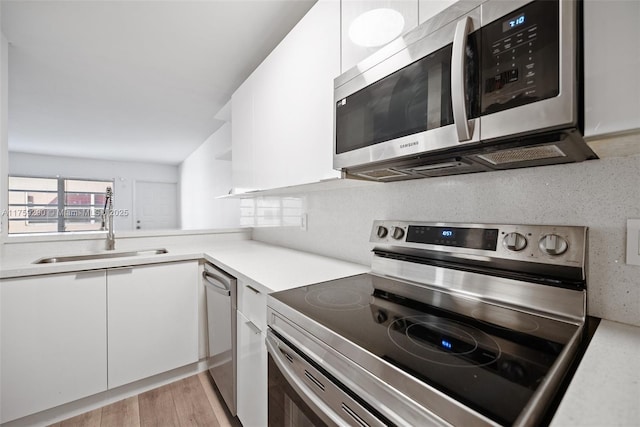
<point x="46" y="205"/>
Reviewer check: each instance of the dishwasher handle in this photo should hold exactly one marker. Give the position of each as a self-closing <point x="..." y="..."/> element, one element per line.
<point x="216" y="283"/>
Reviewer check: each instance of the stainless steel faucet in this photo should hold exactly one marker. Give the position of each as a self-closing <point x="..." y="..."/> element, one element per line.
<point x="107" y="218"/>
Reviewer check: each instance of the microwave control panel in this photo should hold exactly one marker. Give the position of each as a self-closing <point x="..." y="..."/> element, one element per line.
<point x="520" y="57"/>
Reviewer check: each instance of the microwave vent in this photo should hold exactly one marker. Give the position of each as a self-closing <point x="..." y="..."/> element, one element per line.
<point x="523" y="154"/>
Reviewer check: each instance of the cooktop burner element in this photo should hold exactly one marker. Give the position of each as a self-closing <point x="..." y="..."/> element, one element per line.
<point x="436" y="340"/>
<point x="338" y="300"/>
<point x="472" y="328"/>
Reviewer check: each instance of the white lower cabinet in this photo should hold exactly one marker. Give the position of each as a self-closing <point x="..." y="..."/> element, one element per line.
<point x="152" y="320"/>
<point x="71" y="335"/>
<point x="53" y="341"/>
<point x="252" y="373"/>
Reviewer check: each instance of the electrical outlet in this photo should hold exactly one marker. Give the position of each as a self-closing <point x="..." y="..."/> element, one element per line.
<point x="304" y="221"/>
<point x="633" y="241"/>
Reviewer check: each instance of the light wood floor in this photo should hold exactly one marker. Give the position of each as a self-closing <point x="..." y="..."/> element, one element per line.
<point x="193" y="401"/>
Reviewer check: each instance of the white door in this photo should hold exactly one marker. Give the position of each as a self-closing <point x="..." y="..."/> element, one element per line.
<point x="156" y="205"/>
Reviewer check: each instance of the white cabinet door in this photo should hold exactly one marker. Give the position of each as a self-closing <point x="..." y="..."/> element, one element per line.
<point x="242" y="137"/>
<point x="252" y="374"/>
<point x="282" y="116"/>
<point x="293" y="95"/>
<point x="152" y="320"/>
<point x="429" y="8"/>
<point x="353" y="50"/>
<point x="611" y="61"/>
<point x="53" y="341"/>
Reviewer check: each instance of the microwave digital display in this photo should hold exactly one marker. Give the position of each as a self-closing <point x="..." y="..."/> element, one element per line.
<point x="513" y="23"/>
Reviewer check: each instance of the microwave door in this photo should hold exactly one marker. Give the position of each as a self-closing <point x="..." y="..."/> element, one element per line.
<point x="403" y="105"/>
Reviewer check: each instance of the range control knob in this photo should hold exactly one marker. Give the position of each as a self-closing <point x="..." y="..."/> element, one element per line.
<point x="514" y="242"/>
<point x="552" y="244"/>
<point x="397" y="233"/>
<point x="382" y="231"/>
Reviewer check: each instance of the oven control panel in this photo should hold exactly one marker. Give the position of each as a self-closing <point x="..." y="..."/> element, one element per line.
<point x="549" y="244"/>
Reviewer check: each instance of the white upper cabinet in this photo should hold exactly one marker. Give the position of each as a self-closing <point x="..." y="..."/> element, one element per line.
<point x="429" y="8"/>
<point x="282" y="116"/>
<point x="355" y="14"/>
<point x="367" y="25"/>
<point x="242" y="175"/>
<point x="611" y="61"/>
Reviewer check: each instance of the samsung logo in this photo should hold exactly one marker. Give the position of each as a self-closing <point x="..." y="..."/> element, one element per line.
<point x="408" y="144"/>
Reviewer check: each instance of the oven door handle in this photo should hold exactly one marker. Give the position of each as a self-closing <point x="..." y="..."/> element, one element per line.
<point x="316" y="404"/>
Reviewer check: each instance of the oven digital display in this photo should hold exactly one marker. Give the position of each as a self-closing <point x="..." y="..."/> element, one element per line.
<point x="472" y="238"/>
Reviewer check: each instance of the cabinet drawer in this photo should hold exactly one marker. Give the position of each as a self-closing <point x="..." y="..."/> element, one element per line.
<point x="252" y="302"/>
<point x="252" y="374"/>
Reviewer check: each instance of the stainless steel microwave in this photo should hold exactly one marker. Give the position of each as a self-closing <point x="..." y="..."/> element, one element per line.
<point x="484" y="85"/>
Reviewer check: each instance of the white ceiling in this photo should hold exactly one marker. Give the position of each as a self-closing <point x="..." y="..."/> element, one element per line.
<point x="137" y="80"/>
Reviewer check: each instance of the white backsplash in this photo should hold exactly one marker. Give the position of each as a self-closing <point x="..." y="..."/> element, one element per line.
<point x="600" y="194"/>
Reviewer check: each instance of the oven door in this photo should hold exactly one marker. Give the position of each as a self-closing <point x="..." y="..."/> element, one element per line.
<point x="302" y="394"/>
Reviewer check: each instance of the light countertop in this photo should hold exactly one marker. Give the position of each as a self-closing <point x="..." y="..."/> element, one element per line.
<point x="270" y="267"/>
<point x="275" y="268"/>
<point x="605" y="390"/>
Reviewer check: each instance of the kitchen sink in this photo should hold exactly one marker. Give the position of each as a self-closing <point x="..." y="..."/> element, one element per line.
<point x="100" y="255"/>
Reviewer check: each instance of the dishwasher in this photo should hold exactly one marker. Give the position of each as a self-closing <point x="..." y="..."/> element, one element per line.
<point x="220" y="290"/>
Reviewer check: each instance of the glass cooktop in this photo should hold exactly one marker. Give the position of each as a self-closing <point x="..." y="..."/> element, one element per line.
<point x="490" y="358"/>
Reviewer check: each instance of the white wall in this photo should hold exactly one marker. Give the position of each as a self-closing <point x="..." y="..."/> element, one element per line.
<point x="125" y="175"/>
<point x="4" y="135"/>
<point x="600" y="194"/>
<point x="202" y="179"/>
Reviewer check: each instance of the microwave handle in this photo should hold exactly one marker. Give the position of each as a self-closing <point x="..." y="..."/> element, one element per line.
<point x="458" y="77"/>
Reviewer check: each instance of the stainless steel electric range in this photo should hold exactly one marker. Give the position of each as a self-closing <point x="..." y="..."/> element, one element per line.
<point x="456" y="324"/>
